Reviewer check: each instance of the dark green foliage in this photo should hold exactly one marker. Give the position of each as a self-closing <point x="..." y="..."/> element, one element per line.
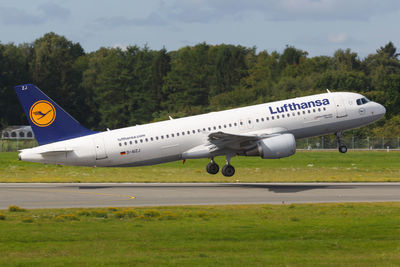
<point x="15" y="209"/>
<point x="112" y="88"/>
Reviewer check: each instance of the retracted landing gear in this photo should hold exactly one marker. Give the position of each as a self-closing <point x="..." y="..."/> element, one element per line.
<point x="342" y="147"/>
<point x="212" y="167"/>
<point x="228" y="170"/>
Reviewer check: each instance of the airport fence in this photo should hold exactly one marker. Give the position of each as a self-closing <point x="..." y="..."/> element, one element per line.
<point x="13" y="145"/>
<point x="368" y="143"/>
<point x="314" y="143"/>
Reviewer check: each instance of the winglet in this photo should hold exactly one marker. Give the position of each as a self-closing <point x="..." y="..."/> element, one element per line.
<point x="49" y="121"/>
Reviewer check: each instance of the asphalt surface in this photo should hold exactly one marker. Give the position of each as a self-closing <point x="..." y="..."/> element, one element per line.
<point x="149" y="194"/>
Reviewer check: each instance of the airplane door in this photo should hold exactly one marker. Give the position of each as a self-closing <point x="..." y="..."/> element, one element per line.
<point x="100" y="148"/>
<point x="340" y="106"/>
<point x="250" y="123"/>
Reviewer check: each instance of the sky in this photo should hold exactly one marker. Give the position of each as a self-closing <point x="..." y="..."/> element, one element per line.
<point x="319" y="27"/>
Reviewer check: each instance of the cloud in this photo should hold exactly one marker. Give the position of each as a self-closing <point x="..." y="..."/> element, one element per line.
<point x="16" y="16"/>
<point x="338" y="38"/>
<point x="205" y="11"/>
<point x="110" y="22"/>
<point x="47" y="12"/>
<point x="53" y="11"/>
<point x="174" y="13"/>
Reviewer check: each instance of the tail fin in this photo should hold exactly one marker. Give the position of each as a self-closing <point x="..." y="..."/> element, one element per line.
<point x="49" y="121"/>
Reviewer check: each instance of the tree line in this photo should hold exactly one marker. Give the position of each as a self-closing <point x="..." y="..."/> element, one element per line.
<point x="114" y="87"/>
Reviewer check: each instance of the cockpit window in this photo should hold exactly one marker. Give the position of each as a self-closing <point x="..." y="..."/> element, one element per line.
<point x="362" y="101"/>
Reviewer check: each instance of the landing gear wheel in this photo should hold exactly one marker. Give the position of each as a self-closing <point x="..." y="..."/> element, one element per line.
<point x="228" y="170"/>
<point x="342" y="149"/>
<point x="212" y="168"/>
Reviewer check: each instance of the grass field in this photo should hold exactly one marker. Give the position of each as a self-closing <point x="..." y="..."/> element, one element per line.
<point x="365" y="166"/>
<point x="255" y="235"/>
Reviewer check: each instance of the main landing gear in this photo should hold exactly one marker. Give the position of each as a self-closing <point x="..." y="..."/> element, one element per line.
<point x="212" y="167"/>
<point x="228" y="170"/>
<point x="342" y="147"/>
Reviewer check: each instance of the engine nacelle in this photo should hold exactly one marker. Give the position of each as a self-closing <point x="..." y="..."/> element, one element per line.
<point x="275" y="147"/>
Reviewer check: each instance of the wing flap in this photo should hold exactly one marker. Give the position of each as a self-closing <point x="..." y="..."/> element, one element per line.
<point x="240" y="142"/>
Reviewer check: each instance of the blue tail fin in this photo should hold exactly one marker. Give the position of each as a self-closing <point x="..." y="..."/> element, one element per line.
<point x="49" y="121"/>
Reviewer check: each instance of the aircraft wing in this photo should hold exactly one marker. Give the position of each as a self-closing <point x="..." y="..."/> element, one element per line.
<point x="239" y="142"/>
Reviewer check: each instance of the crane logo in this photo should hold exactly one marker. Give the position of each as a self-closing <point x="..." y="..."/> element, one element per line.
<point x="42" y="113"/>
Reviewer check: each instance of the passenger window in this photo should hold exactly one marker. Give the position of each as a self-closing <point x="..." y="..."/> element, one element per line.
<point x="249" y="121"/>
<point x="304" y="112"/>
<point x="188" y="132"/>
<point x="314" y="110"/>
<point x="230" y="124"/>
<point x="241" y="123"/>
<point x="151" y="138"/>
<point x="224" y="125"/>
<point x="120" y="144"/>
<point x="294" y="114"/>
<point x="125" y="143"/>
<point x="235" y="124"/>
<point x="183" y="133"/>
<point x="215" y="128"/>
<point x="209" y="128"/>
<point x="167" y="136"/>
<point x="262" y="119"/>
<point x="193" y="131"/>
<point x="272" y="118"/>
<point x="136" y="141"/>
<point x="257" y="120"/>
<point x="219" y="127"/>
<point x="324" y="108"/>
<point x="298" y="113"/>
<point x="172" y="135"/>
<point x="141" y="140"/>
<point x="177" y="134"/>
<point x="283" y="115"/>
<point x="267" y="118"/>
<point x="146" y="140"/>
<point x="162" y="136"/>
<point x="288" y="115"/>
<point x="319" y="109"/>
<point x="309" y="111"/>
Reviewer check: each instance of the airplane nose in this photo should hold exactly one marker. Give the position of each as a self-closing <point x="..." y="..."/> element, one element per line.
<point x="381" y="110"/>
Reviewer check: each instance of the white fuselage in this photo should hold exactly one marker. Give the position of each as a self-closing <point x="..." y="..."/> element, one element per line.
<point x="166" y="141"/>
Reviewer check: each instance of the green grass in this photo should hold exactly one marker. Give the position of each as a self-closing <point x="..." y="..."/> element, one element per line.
<point x="365" y="166"/>
<point x="254" y="235"/>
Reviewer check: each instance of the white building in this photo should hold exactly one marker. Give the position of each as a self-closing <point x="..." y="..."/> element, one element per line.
<point x="17" y="132"/>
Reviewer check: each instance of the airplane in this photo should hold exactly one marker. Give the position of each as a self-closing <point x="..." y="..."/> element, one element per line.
<point x="266" y="130"/>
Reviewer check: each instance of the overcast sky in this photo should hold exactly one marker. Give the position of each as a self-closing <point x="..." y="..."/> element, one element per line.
<point x="318" y="26"/>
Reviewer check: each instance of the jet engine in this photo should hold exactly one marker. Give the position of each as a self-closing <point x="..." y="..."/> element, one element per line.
<point x="275" y="147"/>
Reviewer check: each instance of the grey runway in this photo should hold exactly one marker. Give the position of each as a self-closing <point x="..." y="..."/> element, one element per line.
<point x="71" y="195"/>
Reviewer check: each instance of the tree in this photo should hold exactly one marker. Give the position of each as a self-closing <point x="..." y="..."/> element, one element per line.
<point x="53" y="70"/>
<point x="14" y="70"/>
<point x="389" y="49"/>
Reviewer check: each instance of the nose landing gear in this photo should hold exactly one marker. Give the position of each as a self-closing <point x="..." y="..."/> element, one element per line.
<point x="342" y="147"/>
